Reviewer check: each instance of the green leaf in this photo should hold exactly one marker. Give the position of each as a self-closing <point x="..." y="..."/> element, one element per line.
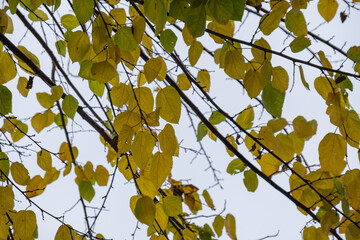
<point x="103" y="71"/>
<point x="230" y="226"/>
<point x="178" y="9"/>
<point x="124" y="38"/>
<point x="4" y="166"/>
<point x="45" y="99"/>
<point x="172" y="206"/>
<point x="58" y="120"/>
<point x="86" y="190"/>
<point x="145" y="210"/>
<point x="70" y="106"/>
<point x="250" y="180"/>
<point x="83" y="10"/>
<point x="273" y="100"/>
<point x="235" y="166"/>
<point x="218" y="225"/>
<point x="24" y="223"/>
<point x="69" y="21"/>
<point x="195" y="20"/>
<point x="354" y="53"/>
<point x="156" y="11"/>
<point x="246" y="117"/>
<point x="296" y="23"/>
<point x="61" y="47"/>
<point x="299" y="44"/>
<point x="97" y="88"/>
<point x="201" y="131"/>
<point x="5" y="100"/>
<point x="78" y="46"/>
<point x="221" y="10"/>
<point x="168" y="40"/>
<point x="216" y="118"/>
<point x="238" y="9"/>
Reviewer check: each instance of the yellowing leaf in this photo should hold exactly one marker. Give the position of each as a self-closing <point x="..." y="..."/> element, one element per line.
<point x="280" y="79"/>
<point x="156" y="12"/>
<point x="195" y="51"/>
<point x="203" y="78"/>
<point x="129" y="118"/>
<point x="101" y="175"/>
<point x="273" y="100"/>
<point x="142" y="100"/>
<point x="20" y="174"/>
<point x="230" y="226"/>
<point x="4" y="166"/>
<point x="22" y="83"/>
<point x="103" y="71"/>
<point x="312" y="233"/>
<point x="351" y="181"/>
<point x="160" y="168"/>
<point x="35" y="187"/>
<point x="332" y="150"/>
<point x="169" y="103"/>
<point x="325" y="62"/>
<point x="69" y="21"/>
<point x="246" y="117"/>
<point x="42" y="120"/>
<point x="120" y="94"/>
<point x="183" y="82"/>
<point x="218" y="225"/>
<point x="250" y="180"/>
<point x="65" y="232"/>
<point x="5" y="100"/>
<point x="304" y="129"/>
<point x="51" y="176"/>
<point x="253" y="83"/>
<point x="139" y="28"/>
<point x="277" y="124"/>
<point x="260" y="55"/>
<point x="221" y="10"/>
<point x="56" y="92"/>
<point x="270" y="21"/>
<point x="226" y="30"/>
<point x="295" y="22"/>
<point x="30" y="55"/>
<point x="161" y="216"/>
<point x="329" y="220"/>
<point x="216" y="117"/>
<point x="168" y="141"/>
<point x="125" y="168"/>
<point x="336" y="109"/>
<point x="284" y="147"/>
<point x="145" y="210"/>
<point x="78" y="46"/>
<point x="24" y="223"/>
<point x="269" y="164"/>
<point x="6" y="199"/>
<point x="38" y="15"/>
<point x="351" y="129"/>
<point x="7" y="67"/>
<point x="251" y="145"/>
<point x="354" y="53"/>
<point x="324" y="86"/>
<point x="83" y="10"/>
<point x="208" y="199"/>
<point x="20" y="131"/>
<point x="152" y="68"/>
<point x="70" y="106"/>
<point x="299" y="44"/>
<point x="45" y="99"/>
<point x="44" y="160"/>
<point x="172" y="206"/>
<point x="302" y="77"/>
<point x="234" y="64"/>
<point x="327" y="9"/>
<point x="231" y="140"/>
<point x="86" y="190"/>
<point x="142" y="148"/>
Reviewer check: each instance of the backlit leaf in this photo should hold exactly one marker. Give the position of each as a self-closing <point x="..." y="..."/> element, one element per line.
<point x="260" y="55"/>
<point x="295" y="22"/>
<point x="269" y="164"/>
<point x="270" y="21"/>
<point x="125" y="39"/>
<point x="351" y="181"/>
<point x="142" y="148"/>
<point x="152" y="69"/>
<point x="103" y="72"/>
<point x="70" y="106"/>
<point x="195" y="51"/>
<point x="302" y="77"/>
<point x="230" y="226"/>
<point x="226" y="30"/>
<point x="21" y="86"/>
<point x="216" y="118"/>
<point x="277" y="124"/>
<point x="78" y="45"/>
<point x="201" y="131"/>
<point x="44" y="160"/>
<point x="7" y="67"/>
<point x="234" y="64"/>
<point x="324" y="86"/>
<point x="65" y="232"/>
<point x="168" y="141"/>
<point x="250" y="180"/>
<point x="20" y="131"/>
<point x="203" y="78"/>
<point x="20" y="174"/>
<point x="69" y="21"/>
<point x="218" y="225"/>
<point x="312" y="233"/>
<point x="156" y="11"/>
<point x="195" y="20"/>
<point x="332" y="150"/>
<point x="325" y="62"/>
<point x="253" y="83"/>
<point x="354" y="53"/>
<point x="235" y="166"/>
<point x="273" y="100"/>
<point x="160" y="168"/>
<point x="168" y="40"/>
<point x="299" y="44"/>
<point x="303" y="128"/>
<point x="36" y="186"/>
<point x="172" y="206"/>
<point x="183" y="82"/>
<point x="86" y="190"/>
<point x="38" y="15"/>
<point x="45" y="99"/>
<point x="208" y="199"/>
<point x="238" y="9"/>
<point x="231" y="140"/>
<point x="4" y="167"/>
<point x="280" y="79"/>
<point x="327" y="9"/>
<point x="5" y="100"/>
<point x="83" y="10"/>
<point x="169" y="103"/>
<point x="120" y="94"/>
<point x="6" y="199"/>
<point x="221" y="10"/>
<point x="246" y="117"/>
<point x="101" y="175"/>
<point x="145" y="210"/>
<point x="24" y="223"/>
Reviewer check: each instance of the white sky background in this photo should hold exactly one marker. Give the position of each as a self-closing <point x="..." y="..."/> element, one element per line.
<point x="258" y="214"/>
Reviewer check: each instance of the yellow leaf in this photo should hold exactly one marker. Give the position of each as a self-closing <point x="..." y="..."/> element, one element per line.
<point x="125" y="168"/>
<point x="298" y="4"/>
<point x="65" y="232"/>
<point x="51" y="176"/>
<point x="208" y="199"/>
<point x="302" y="77"/>
<point x="277" y="124"/>
<point x="227" y="30"/>
<point x="327" y="9"/>
<point x="193" y="201"/>
<point x="147" y="44"/>
<point x="325" y="62"/>
<point x="188" y="38"/>
<point x="304" y="129"/>
<point x="266" y="137"/>
<point x="101" y="175"/>
<point x="218" y="225"/>
<point x="88" y="170"/>
<point x="78" y="46"/>
<point x="336" y="109"/>
<point x="324" y="86"/>
<point x="189" y="235"/>
<point x="284" y="147"/>
<point x="20" y="131"/>
<point x="38" y="15"/>
<point x="246" y="117"/>
<point x="124" y="138"/>
<point x="7" y="67"/>
<point x="30" y="55"/>
<point x="103" y="71"/>
<point x="351" y="129"/>
<point x="160" y="168"/>
<point x="20" y="174"/>
<point x="351" y="181"/>
<point x="6" y="199"/>
<point x="129" y="118"/>
<point x="161" y="216"/>
<point x="146" y="185"/>
<point x="259" y="54"/>
<point x="168" y="141"/>
<point x="36" y="186"/>
<point x="142" y="98"/>
<point x="332" y="150"/>
<point x="142" y="148"/>
<point x="298" y="143"/>
<point x="234" y="64"/>
<point x="253" y="83"/>
<point x="65" y="154"/>
<point x="163" y="71"/>
<point x="231" y="140"/>
<point x="230" y="226"/>
<point x="296" y="23"/>
<point x="280" y="79"/>
<point x="138" y="28"/>
<point x="329" y="220"/>
<point x="56" y="92"/>
<point x="45" y="99"/>
<point x="312" y="233"/>
<point x="203" y="78"/>
<point x="168" y="100"/>
<point x="183" y="82"/>
<point x="270" y="21"/>
<point x="172" y="206"/>
<point x="152" y="68"/>
<point x="21" y="86"/>
<point x="195" y="51"/>
<point x="251" y="145"/>
<point x="145" y="210"/>
<point x="120" y="94"/>
<point x="42" y="120"/>
<point x="24" y="223"/>
<point x="44" y="160"/>
<point x="269" y="164"/>
<point x="119" y="15"/>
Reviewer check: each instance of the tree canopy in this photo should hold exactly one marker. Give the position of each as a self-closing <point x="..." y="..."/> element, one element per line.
<point x="126" y="80"/>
